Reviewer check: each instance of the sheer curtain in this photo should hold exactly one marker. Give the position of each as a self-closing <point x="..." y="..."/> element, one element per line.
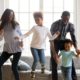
<point x="51" y="9"/>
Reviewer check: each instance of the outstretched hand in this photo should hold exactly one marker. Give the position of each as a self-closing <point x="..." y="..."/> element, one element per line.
<point x="57" y="59"/>
<point x="78" y="51"/>
<point x="16" y="38"/>
<point x="58" y="33"/>
<point x="21" y="44"/>
<point x="20" y="41"/>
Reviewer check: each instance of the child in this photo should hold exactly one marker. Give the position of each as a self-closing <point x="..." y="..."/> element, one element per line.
<point x="40" y="32"/>
<point x="10" y="29"/>
<point x="67" y="55"/>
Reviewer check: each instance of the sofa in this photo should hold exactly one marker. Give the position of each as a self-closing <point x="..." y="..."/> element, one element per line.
<point x="25" y="74"/>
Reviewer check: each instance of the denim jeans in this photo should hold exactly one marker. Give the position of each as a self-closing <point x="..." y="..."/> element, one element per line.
<point x="16" y="56"/>
<point x="66" y="72"/>
<point x="38" y="55"/>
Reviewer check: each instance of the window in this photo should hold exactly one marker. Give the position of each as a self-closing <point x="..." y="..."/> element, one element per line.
<point x="52" y="10"/>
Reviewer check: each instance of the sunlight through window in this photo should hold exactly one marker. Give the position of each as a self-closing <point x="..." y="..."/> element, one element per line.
<point x="52" y="10"/>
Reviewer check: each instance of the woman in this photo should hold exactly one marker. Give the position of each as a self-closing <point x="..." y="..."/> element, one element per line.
<point x="10" y="29"/>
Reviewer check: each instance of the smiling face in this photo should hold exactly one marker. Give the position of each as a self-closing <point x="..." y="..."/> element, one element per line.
<point x="65" y="19"/>
<point x="65" y="16"/>
<point x="11" y="16"/>
<point x="39" y="21"/>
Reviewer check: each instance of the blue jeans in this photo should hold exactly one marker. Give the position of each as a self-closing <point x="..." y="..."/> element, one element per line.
<point x="38" y="55"/>
<point x="66" y="72"/>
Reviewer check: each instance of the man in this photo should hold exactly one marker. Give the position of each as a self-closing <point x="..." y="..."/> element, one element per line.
<point x="63" y="26"/>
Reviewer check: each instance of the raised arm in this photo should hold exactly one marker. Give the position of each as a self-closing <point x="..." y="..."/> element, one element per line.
<point x="54" y="36"/>
<point x="28" y="33"/>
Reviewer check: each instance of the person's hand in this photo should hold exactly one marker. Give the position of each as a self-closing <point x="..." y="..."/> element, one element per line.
<point x="78" y="51"/>
<point x="57" y="59"/>
<point x="21" y="44"/>
<point x="16" y="38"/>
<point x="58" y="33"/>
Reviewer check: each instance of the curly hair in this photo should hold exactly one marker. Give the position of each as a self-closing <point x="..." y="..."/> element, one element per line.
<point x="38" y="14"/>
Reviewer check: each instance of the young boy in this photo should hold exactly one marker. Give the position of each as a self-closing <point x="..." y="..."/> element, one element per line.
<point x="40" y="33"/>
<point x="67" y="56"/>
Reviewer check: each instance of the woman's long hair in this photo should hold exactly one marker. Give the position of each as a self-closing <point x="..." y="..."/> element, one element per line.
<point x="5" y="19"/>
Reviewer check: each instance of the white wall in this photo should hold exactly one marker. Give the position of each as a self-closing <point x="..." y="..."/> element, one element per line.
<point x="1" y="7"/>
<point x="77" y="11"/>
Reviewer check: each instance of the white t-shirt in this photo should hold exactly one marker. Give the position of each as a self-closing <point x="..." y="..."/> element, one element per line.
<point x="40" y="33"/>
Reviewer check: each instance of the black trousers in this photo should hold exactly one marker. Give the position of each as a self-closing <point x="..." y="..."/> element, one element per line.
<point x="59" y="46"/>
<point x="16" y="56"/>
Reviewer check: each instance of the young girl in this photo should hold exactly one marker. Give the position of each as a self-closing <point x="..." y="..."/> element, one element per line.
<point x="40" y="32"/>
<point x="10" y="30"/>
<point x="67" y="55"/>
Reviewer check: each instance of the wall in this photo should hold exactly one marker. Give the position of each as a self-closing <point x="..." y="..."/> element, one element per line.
<point x="78" y="21"/>
<point x="1" y="7"/>
<point x="4" y="4"/>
